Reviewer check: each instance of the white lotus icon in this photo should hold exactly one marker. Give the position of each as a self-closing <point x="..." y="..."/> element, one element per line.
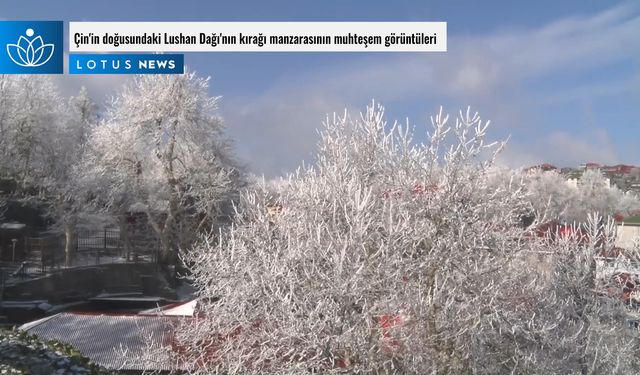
<point x="30" y="52"/>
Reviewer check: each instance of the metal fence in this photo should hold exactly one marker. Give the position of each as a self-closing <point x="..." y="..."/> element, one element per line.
<point x="91" y="248"/>
<point x="39" y="255"/>
<point x="100" y="242"/>
<point x="44" y="252"/>
<point x="107" y="245"/>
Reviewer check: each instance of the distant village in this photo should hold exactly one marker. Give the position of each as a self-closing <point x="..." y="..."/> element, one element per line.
<point x="624" y="177"/>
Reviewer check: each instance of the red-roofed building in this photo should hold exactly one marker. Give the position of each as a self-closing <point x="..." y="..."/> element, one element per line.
<point x="620" y="169"/>
<point x="545" y="167"/>
<point x="592" y="166"/>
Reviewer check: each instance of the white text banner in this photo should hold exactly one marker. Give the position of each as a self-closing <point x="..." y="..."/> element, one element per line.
<point x="257" y="36"/>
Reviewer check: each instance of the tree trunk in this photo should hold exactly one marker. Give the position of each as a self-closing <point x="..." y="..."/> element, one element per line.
<point x="163" y="235"/>
<point x="169" y="236"/>
<point x="131" y="252"/>
<point x="166" y="250"/>
<point x="70" y="243"/>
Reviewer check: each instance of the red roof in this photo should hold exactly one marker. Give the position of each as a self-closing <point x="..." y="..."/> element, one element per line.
<point x="545" y="167"/>
<point x="624" y="169"/>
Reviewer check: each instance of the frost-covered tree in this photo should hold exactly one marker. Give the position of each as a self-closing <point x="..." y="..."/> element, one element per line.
<point x="596" y="194"/>
<point x="67" y="193"/>
<point x="83" y="116"/>
<point x="30" y="116"/>
<point x="163" y="150"/>
<point x="7" y="100"/>
<point x="553" y="198"/>
<point x="391" y="257"/>
<point x="42" y="142"/>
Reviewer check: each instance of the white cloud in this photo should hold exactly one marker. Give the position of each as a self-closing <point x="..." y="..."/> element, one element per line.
<point x="572" y="43"/>
<point x="564" y="149"/>
<point x="276" y="129"/>
<point x="100" y="87"/>
<point x="274" y="134"/>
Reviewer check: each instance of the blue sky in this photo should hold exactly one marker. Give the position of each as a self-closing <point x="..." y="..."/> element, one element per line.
<point x="562" y="78"/>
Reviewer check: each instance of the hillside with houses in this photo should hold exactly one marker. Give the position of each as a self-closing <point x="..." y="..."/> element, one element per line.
<point x="624" y="176"/>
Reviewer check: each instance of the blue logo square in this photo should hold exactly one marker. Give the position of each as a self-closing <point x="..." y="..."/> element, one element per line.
<point x="31" y="47"/>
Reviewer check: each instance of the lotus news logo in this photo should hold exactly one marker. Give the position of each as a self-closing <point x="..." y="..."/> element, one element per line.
<point x="32" y="47"/>
<point x="30" y="52"/>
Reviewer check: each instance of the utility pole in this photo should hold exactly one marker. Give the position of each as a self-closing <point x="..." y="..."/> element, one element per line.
<point x="13" y="249"/>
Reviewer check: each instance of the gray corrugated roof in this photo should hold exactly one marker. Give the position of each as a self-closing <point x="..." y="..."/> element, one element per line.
<point x="101" y="338"/>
